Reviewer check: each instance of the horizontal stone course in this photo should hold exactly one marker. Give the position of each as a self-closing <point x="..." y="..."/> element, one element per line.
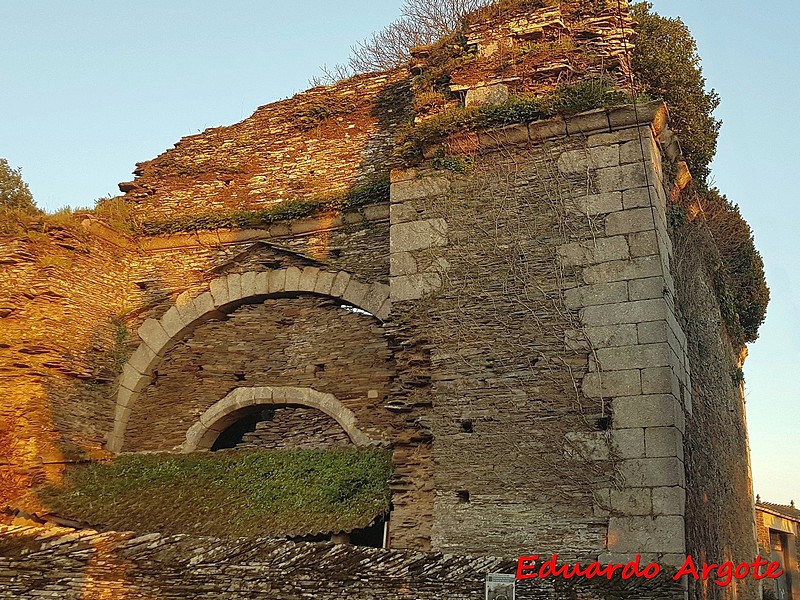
<point x="623" y="270"/>
<point x="624" y="312"/>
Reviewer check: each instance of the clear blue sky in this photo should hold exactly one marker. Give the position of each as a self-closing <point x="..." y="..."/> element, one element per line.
<point x="92" y="87"/>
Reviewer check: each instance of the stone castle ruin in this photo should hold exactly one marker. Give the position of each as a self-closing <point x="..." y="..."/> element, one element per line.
<point x="503" y="300"/>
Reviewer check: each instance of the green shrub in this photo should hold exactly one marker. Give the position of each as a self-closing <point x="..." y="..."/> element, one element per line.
<point x="566" y="99"/>
<point x="666" y="66"/>
<point x="747" y="294"/>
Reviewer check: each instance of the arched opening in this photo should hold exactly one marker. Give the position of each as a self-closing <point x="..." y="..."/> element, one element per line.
<point x="244" y="408"/>
<point x="282" y="427"/>
<point x="227" y="301"/>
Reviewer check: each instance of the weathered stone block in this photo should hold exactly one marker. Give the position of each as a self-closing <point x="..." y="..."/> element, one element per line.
<point x="125" y="400"/>
<point x="248" y="283"/>
<point x="172" y="323"/>
<point x="402" y="263"/>
<point x="634" y="501"/>
<point x="660" y="380"/>
<point x="418" y="235"/>
<point x="631" y="152"/>
<point x="631" y="115"/>
<point x="549" y="128"/>
<point x="586" y="445"/>
<point x="488" y="94"/>
<point x="622" y="270"/>
<point x="630" y="221"/>
<point x="602" y="502"/>
<point x="277" y="281"/>
<point x="371" y="212"/>
<point x="204" y="304"/>
<point x="152" y="334"/>
<point x="595" y="204"/>
<point x="652" y="332"/>
<point x="324" y="282"/>
<point x="132" y="380"/>
<point x="401" y="212"/>
<point x="628" y="443"/>
<point x="184" y="300"/>
<point x="143" y="359"/>
<point x="413" y="287"/>
<point x="612" y="384"/>
<point x="663" y="441"/>
<point x="634" y="411"/>
<point x="591" y="295"/>
<point x="261" y="283"/>
<point x="423" y="187"/>
<point x="574" y="339"/>
<point x="594" y="251"/>
<point x="639" y="356"/>
<point x="624" y="177"/>
<point x="340" y="284"/>
<point x="511" y="135"/>
<point x="376" y="295"/>
<point x="234" y="286"/>
<point x="593" y="121"/>
<point x="652" y="472"/>
<point x="646" y="534"/>
<point x="219" y="291"/>
<point x="581" y="161"/>
<point x="643" y="197"/>
<point x="308" y="279"/>
<point x="669" y="500"/>
<point x="646" y="289"/>
<point x="292" y="279"/>
<point x="612" y="335"/>
<point x="624" y="312"/>
<point x="643" y="243"/>
<point x="385" y="310"/>
<point x="356" y="293"/>
<point x="617" y="137"/>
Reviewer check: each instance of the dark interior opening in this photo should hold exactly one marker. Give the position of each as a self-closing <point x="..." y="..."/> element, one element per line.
<point x="234" y="434"/>
<point x="371" y="536"/>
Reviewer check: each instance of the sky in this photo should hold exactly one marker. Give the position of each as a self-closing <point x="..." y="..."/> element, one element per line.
<point x="91" y="87"/>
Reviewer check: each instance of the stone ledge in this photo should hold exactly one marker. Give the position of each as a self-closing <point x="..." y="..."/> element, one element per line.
<point x="592" y="122"/>
<point x="306" y="226"/>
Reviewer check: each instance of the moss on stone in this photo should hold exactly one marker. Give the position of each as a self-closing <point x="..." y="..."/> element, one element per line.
<point x="372" y="192"/>
<point x="268" y="493"/>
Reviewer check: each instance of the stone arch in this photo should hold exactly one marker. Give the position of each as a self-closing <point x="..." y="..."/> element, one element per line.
<point x="225" y="412"/>
<point x="224" y="294"/>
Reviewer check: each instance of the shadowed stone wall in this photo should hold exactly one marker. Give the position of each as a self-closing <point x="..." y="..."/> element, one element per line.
<point x="542" y="277"/>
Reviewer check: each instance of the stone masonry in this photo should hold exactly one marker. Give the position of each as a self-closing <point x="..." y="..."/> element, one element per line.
<point x="619" y="337"/>
<point x="511" y="322"/>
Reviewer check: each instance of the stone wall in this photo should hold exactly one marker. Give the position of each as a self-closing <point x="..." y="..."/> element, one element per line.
<point x="302" y="342"/>
<point x="295" y="428"/>
<point x="542" y="278"/>
<point x="62" y="297"/>
<point x="719" y="500"/>
<point x="36" y="563"/>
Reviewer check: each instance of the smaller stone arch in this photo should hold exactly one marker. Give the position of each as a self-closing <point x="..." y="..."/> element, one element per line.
<point x="225" y="412"/>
